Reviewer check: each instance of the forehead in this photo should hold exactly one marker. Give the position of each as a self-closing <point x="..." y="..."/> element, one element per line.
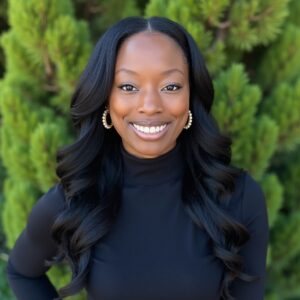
<point x="151" y="49"/>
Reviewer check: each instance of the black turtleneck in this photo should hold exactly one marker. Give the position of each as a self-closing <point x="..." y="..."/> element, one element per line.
<point x="153" y="250"/>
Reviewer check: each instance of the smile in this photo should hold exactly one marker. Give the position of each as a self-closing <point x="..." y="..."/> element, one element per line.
<point x="149" y="129"/>
<point x="150" y="133"/>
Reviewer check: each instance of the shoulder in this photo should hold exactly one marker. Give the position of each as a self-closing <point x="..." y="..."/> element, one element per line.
<point x="253" y="200"/>
<point x="248" y="200"/>
<point x="52" y="201"/>
<point x="36" y="243"/>
<point x="45" y="210"/>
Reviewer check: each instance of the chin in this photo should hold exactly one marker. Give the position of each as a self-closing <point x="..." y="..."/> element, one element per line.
<point x="150" y="151"/>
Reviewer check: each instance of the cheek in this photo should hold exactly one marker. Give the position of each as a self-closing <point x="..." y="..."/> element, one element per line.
<point x="179" y="107"/>
<point x="118" y="108"/>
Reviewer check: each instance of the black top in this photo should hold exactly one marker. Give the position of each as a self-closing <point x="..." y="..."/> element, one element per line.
<point x="153" y="251"/>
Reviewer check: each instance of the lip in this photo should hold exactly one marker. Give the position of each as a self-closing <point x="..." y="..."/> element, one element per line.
<point x="150" y="136"/>
<point x="149" y="123"/>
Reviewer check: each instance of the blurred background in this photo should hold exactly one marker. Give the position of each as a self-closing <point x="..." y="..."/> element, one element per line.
<point x="252" y="51"/>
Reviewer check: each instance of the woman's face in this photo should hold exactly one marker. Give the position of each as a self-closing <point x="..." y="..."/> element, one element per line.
<point x="149" y="101"/>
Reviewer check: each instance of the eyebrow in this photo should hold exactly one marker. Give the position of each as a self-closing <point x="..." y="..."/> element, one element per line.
<point x="167" y="72"/>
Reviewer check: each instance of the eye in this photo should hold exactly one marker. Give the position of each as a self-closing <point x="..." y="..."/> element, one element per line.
<point x="172" y="87"/>
<point x="127" y="88"/>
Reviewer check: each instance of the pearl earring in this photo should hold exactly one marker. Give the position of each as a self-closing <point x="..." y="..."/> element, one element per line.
<point x="104" y="120"/>
<point x="190" y="120"/>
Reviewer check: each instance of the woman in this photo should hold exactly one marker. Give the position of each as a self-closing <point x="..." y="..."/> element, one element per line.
<point x="148" y="205"/>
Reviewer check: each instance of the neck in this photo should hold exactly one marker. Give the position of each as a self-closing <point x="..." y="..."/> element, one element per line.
<point x="149" y="171"/>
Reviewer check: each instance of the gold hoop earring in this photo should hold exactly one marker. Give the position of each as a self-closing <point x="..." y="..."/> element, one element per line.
<point x="190" y="120"/>
<point x="104" y="120"/>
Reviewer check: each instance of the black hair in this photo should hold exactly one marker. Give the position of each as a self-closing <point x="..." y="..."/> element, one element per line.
<point x="90" y="169"/>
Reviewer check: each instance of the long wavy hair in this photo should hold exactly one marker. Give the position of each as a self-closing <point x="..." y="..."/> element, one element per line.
<point x="90" y="169"/>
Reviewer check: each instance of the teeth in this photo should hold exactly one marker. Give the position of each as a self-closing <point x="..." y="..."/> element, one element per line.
<point x="152" y="129"/>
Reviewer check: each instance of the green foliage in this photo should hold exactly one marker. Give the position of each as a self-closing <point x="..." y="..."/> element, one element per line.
<point x="19" y="199"/>
<point x="69" y="49"/>
<point x="273" y="191"/>
<point x="281" y="62"/>
<point x="18" y="122"/>
<point x="102" y="14"/>
<point x="283" y="105"/>
<point x="5" y="292"/>
<point x="45" y="140"/>
<point x="30" y="20"/>
<point x="287" y="260"/>
<point x="286" y="243"/>
<point x="290" y="282"/>
<point x="221" y="28"/>
<point x="113" y="10"/>
<point x="290" y="179"/>
<point x="294" y="11"/>
<point x="235" y="109"/>
<point x="21" y="70"/>
<point x="213" y="11"/>
<point x="255" y="22"/>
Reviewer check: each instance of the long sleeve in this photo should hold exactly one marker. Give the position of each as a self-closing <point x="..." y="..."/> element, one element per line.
<point x="29" y="288"/>
<point x="26" y="269"/>
<point x="254" y="252"/>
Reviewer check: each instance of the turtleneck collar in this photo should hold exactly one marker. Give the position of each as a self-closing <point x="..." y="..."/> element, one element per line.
<point x="150" y="171"/>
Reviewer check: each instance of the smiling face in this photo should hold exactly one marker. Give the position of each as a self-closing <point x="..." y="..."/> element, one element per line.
<point x="149" y="100"/>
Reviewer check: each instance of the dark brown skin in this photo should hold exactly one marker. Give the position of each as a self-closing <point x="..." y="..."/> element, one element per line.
<point x="146" y="94"/>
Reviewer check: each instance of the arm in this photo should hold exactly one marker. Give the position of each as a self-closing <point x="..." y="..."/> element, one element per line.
<point x="28" y="288"/>
<point x="254" y="252"/>
<point x="26" y="269"/>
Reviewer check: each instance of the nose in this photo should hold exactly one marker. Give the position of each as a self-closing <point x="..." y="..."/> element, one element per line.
<point x="150" y="102"/>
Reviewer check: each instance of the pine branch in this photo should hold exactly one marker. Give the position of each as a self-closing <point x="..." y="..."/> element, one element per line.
<point x="257" y="18"/>
<point x="92" y="8"/>
<point x="222" y="28"/>
<point x="51" y="88"/>
<point x="224" y="25"/>
<point x="49" y="69"/>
